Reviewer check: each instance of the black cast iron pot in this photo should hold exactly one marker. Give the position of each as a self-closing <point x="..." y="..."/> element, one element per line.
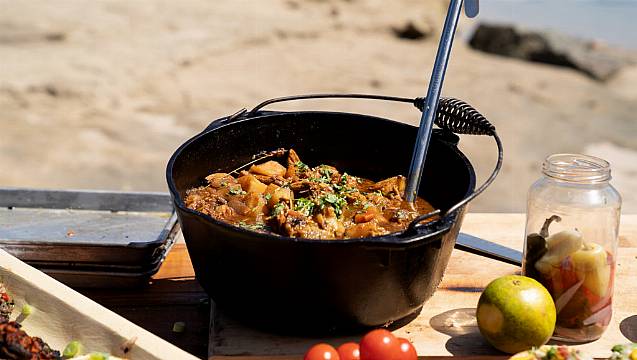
<point x="279" y="282"/>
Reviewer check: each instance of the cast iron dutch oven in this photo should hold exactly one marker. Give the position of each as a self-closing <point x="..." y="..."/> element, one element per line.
<point x="292" y="283"/>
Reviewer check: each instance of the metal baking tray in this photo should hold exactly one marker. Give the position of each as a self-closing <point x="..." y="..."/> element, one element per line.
<point x="86" y="227"/>
<point x="85" y="275"/>
<point x="83" y="278"/>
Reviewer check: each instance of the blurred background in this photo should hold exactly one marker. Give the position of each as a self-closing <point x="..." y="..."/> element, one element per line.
<point x="97" y="95"/>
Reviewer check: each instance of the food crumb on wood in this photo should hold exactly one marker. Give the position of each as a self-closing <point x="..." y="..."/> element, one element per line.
<point x="179" y="327"/>
<point x="128" y="344"/>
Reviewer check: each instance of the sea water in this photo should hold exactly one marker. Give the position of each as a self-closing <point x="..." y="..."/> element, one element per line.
<point x="610" y="21"/>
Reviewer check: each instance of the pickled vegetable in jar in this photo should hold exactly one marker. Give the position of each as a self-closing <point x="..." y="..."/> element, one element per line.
<point x="571" y="242"/>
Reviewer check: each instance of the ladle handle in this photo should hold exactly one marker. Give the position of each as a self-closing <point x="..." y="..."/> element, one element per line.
<point x="415" y="224"/>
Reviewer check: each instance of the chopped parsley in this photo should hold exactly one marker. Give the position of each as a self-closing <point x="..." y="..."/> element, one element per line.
<point x="236" y="191"/>
<point x="551" y="354"/>
<point x="617" y="348"/>
<point x="344" y="178"/>
<point x="267" y="197"/>
<point x="278" y="209"/>
<point x="300" y="166"/>
<point x="336" y="201"/>
<point x="304" y="205"/>
<point x="325" y="175"/>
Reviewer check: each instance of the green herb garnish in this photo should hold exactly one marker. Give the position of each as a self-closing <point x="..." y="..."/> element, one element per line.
<point x="278" y="209"/>
<point x="301" y="166"/>
<point x="551" y="354"/>
<point x="336" y="201"/>
<point x="618" y="348"/>
<point x="98" y="356"/>
<point x="27" y="310"/>
<point x="179" y="327"/>
<point x="236" y="191"/>
<point x="304" y="205"/>
<point x="72" y="349"/>
<point x="267" y="197"/>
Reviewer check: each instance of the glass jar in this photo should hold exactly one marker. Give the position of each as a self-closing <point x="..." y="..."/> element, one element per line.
<point x="571" y="240"/>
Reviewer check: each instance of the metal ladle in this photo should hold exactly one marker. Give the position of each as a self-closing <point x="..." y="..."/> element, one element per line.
<point x="433" y="93"/>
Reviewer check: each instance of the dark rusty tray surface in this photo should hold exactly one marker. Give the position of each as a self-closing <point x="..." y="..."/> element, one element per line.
<point x="96" y="227"/>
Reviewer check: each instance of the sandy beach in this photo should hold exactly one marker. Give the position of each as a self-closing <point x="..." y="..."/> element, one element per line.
<point x="99" y="94"/>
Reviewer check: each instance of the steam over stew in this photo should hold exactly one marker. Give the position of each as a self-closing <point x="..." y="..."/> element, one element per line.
<point x="299" y="201"/>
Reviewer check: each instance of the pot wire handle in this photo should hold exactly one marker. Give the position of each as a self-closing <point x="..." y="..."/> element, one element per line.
<point x="452" y="114"/>
<point x="329" y="96"/>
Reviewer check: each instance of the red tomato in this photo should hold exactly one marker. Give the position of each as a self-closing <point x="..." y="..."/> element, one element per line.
<point x="349" y="351"/>
<point x="407" y="350"/>
<point x="321" y="352"/>
<point x="380" y="344"/>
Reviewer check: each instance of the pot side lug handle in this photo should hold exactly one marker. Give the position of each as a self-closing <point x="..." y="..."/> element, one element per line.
<point x="475" y="245"/>
<point x="225" y="120"/>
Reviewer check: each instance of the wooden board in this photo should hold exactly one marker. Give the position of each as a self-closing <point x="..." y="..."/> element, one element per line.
<point x="60" y="315"/>
<point x="447" y="325"/>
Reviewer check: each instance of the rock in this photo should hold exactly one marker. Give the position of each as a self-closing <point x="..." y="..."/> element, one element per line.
<point x="623" y="84"/>
<point x="589" y="57"/>
<point x="411" y="31"/>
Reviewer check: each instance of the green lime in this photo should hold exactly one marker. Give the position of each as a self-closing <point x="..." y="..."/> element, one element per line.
<point x="516" y="313"/>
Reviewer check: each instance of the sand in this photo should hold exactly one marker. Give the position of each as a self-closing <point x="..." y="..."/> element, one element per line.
<point x="99" y="94"/>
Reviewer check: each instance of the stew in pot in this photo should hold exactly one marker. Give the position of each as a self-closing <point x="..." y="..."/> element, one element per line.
<point x="309" y="202"/>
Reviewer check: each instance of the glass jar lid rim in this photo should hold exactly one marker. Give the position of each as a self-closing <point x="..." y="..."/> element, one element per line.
<point x="577" y="168"/>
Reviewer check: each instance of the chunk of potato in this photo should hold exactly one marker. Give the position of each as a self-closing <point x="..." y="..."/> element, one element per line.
<point x="270" y="168"/>
<point x="278" y="194"/>
<point x="250" y="184"/>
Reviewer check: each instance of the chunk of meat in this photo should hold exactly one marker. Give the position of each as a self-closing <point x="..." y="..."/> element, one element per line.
<point x="204" y="199"/>
<point x="365" y="230"/>
<point x="223" y="211"/>
<point x="250" y="184"/>
<point x="327" y="220"/>
<point x="391" y="187"/>
<point x="238" y="206"/>
<point x="219" y="180"/>
<point x="293" y="161"/>
<point x="270" y="168"/>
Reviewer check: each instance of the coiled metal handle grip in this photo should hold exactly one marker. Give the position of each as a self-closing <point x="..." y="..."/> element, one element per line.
<point x="458" y="117"/>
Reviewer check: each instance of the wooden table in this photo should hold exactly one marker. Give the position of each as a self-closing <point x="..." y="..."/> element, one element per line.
<point x="446" y="326"/>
